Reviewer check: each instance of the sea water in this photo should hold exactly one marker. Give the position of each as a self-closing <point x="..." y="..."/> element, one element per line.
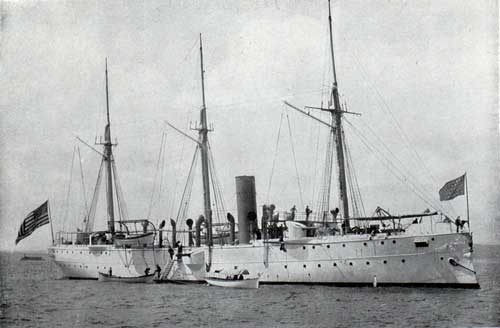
<point x="34" y="295"/>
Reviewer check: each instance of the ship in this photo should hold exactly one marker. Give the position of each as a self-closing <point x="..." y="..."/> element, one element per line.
<point x="335" y="247"/>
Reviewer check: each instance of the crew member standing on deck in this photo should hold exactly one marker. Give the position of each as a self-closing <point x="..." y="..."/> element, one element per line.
<point x="308" y="212"/>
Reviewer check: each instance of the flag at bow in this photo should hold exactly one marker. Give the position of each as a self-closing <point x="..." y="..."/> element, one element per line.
<point x="34" y="220"/>
<point x="452" y="189"/>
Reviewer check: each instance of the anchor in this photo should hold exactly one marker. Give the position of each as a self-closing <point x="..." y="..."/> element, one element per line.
<point x="455" y="263"/>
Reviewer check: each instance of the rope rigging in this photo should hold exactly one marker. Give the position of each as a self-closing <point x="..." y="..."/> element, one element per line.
<point x="391" y="167"/>
<point x="354" y="191"/>
<point x="383" y="105"/>
<point x="69" y="189"/>
<point x="275" y="155"/>
<point x="83" y="186"/>
<point x="122" y="208"/>
<point x="89" y="226"/>
<point x="159" y="168"/>
<point x="323" y="204"/>
<point x="220" y="211"/>
<point x="186" y="194"/>
<point x="295" y="162"/>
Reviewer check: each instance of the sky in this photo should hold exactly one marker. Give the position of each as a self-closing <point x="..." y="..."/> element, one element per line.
<point x="424" y="76"/>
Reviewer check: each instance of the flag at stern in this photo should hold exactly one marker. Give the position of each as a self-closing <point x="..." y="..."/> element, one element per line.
<point x="452" y="189"/>
<point x="34" y="220"/>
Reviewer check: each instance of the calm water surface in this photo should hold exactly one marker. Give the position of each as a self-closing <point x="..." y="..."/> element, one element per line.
<point x="33" y="295"/>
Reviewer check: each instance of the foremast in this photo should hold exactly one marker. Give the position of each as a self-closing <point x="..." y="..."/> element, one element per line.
<point x="203" y="144"/>
<point x="108" y="159"/>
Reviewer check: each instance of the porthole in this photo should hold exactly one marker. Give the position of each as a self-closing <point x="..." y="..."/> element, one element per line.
<point x="334" y="264"/>
<point x="303" y="247"/>
<point x="393" y="241"/>
<point x="304" y="265"/>
<point x="314" y="247"/>
<point x="432" y="238"/>
<point x="319" y="265"/>
<point x="442" y="258"/>
<point x="350" y="263"/>
<point x="403" y="260"/>
<point x="286" y="266"/>
<point x="343" y="245"/>
<point x="327" y="246"/>
<point x="235" y="267"/>
<point x="385" y="261"/>
<point x="367" y="263"/>
<point x="365" y="244"/>
<point x="382" y="242"/>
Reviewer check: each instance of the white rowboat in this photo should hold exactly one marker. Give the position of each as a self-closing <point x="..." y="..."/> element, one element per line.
<point x="252" y="283"/>
<point x="104" y="277"/>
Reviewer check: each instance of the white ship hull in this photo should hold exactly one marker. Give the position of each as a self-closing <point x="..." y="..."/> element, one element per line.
<point x="86" y="261"/>
<point x="356" y="260"/>
<point x="336" y="260"/>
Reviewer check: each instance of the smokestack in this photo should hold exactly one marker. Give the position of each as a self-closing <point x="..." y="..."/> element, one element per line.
<point x="160" y="237"/>
<point x="200" y="220"/>
<point x="189" y="223"/>
<point x="174" y="232"/>
<point x="232" y="233"/>
<point x="246" y="204"/>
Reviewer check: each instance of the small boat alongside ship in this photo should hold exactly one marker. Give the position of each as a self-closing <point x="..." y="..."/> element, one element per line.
<point x="237" y="279"/>
<point x="250" y="283"/>
<point x="31" y="258"/>
<point x="106" y="277"/>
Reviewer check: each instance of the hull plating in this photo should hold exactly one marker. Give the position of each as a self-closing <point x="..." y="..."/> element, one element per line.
<point x="356" y="260"/>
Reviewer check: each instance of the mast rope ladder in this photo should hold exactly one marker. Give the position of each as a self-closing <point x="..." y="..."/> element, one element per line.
<point x="120" y="200"/>
<point x="186" y="194"/>
<point x="217" y="189"/>
<point x="89" y="225"/>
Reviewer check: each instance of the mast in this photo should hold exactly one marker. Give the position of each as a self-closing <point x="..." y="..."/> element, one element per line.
<point x="203" y="138"/>
<point x="108" y="158"/>
<point x="337" y="123"/>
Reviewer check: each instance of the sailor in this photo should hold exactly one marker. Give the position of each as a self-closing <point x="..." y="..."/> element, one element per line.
<point x="308" y="212"/>
<point x="146" y="271"/>
<point x="110" y="271"/>
<point x="179" y="249"/>
<point x="282" y="244"/>
<point x="293" y="210"/>
<point x="158" y="271"/>
<point x="458" y="223"/>
<point x="171" y="252"/>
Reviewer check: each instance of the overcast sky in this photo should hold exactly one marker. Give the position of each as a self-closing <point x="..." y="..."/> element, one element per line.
<point x="423" y="74"/>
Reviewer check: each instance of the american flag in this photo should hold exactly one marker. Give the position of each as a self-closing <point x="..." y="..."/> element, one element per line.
<point x="452" y="189"/>
<point x="34" y="220"/>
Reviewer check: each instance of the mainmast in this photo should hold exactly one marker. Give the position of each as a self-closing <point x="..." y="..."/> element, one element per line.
<point x="108" y="158"/>
<point x="337" y="123"/>
<point x="203" y="139"/>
